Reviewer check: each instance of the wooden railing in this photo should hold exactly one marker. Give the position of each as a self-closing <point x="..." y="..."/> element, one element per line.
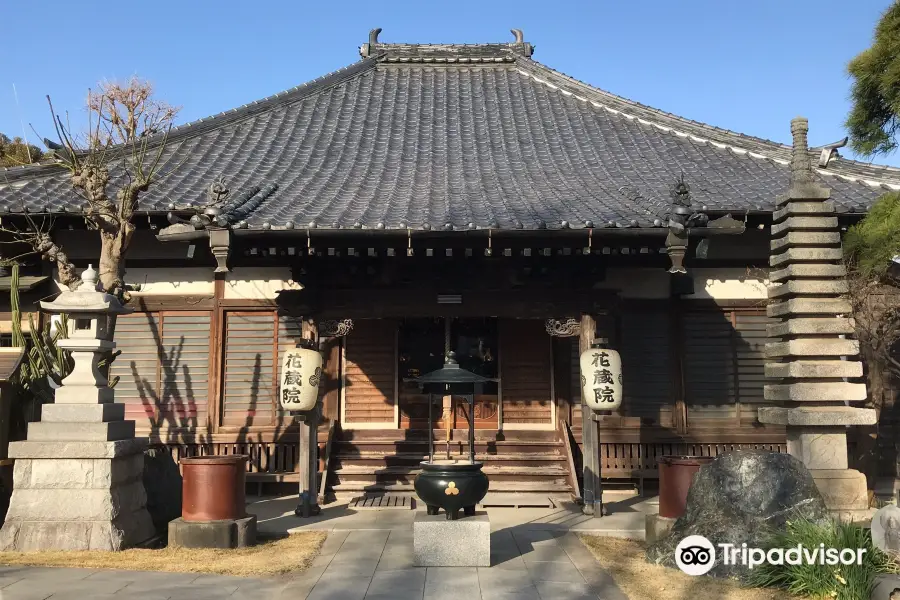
<point x="639" y="460"/>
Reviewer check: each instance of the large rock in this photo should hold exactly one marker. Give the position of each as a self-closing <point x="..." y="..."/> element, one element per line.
<point x="163" y="483"/>
<point x="742" y="497"/>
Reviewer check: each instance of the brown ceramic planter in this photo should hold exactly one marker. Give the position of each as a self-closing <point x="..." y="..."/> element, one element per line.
<point x="675" y="476"/>
<point x="213" y="488"/>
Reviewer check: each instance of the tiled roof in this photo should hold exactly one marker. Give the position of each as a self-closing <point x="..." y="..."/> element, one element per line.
<point x="445" y="136"/>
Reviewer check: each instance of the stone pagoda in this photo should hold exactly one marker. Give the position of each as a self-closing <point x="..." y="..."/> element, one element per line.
<point x="813" y="361"/>
<point x="78" y="477"/>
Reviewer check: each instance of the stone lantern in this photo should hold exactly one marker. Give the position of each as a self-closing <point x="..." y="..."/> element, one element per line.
<point x="78" y="477"/>
<point x="88" y="339"/>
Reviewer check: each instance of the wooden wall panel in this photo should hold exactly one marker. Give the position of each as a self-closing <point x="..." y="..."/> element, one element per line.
<point x="646" y="350"/>
<point x="164" y="368"/>
<point x="248" y="397"/>
<point x="370" y="372"/>
<point x="525" y="372"/>
<point x="723" y="366"/>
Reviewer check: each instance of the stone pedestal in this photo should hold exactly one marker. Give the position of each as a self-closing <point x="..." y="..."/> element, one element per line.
<point x="464" y="542"/>
<point x="814" y="364"/>
<point x="225" y="534"/>
<point x="78" y="477"/>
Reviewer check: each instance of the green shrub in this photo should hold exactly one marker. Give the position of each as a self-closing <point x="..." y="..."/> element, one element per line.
<point x="842" y="582"/>
<point x="871" y="244"/>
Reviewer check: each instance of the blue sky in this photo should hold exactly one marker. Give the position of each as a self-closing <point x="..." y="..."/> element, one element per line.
<point x="746" y="66"/>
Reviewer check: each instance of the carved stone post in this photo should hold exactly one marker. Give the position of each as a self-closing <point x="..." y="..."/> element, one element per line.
<point x="813" y="359"/>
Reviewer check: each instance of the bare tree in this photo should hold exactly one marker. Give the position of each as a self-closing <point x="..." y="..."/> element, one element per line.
<point x="112" y="165"/>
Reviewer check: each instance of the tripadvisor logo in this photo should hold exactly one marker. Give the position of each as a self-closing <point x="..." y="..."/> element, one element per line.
<point x="696" y="555"/>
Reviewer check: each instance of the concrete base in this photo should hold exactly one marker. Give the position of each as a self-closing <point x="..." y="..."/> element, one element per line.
<point x="230" y="533"/>
<point x="657" y="527"/>
<point x="465" y="542"/>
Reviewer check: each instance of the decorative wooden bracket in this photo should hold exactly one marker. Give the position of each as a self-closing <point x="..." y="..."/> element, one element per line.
<point x="335" y="328"/>
<point x="563" y="327"/>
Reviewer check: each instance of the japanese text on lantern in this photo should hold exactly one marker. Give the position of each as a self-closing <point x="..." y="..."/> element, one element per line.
<point x="298" y="366"/>
<point x="601" y="379"/>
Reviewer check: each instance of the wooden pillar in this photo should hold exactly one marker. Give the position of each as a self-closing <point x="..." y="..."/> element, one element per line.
<point x="593" y="493"/>
<point x="309" y="443"/>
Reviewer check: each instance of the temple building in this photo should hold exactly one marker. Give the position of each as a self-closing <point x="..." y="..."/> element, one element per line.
<point x="442" y="197"/>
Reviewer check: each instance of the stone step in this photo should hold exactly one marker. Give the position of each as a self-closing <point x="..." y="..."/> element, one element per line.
<point x="830" y="391"/>
<point x="812" y="326"/>
<point x="794" y="255"/>
<point x="76" y="432"/>
<point x="812" y="347"/>
<point x="793" y="239"/>
<point x="810" y="306"/>
<point x="796" y="208"/>
<point x="824" y="416"/>
<point x="82" y="413"/>
<point x="804" y="224"/>
<point x="815" y="368"/>
<point x="810" y="287"/>
<point x="803" y="271"/>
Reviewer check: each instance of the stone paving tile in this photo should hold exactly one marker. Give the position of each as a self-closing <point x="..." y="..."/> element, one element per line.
<point x="511" y="563"/>
<point x="524" y="594"/>
<point x="26" y="594"/>
<point x="364" y="567"/>
<point x="546" y="554"/>
<point x="86" y="587"/>
<point x="554" y="571"/>
<point x="503" y="580"/>
<point x="134" y="576"/>
<point x="410" y="582"/>
<point x="340" y="588"/>
<point x="56" y="573"/>
<point x="82" y="596"/>
<point x="451" y="582"/>
<point x="297" y="587"/>
<point x="559" y="590"/>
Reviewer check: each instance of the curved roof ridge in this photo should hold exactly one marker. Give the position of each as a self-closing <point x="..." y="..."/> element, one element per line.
<point x="756" y="147"/>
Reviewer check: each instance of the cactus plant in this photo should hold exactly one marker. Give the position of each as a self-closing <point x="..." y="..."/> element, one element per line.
<point x="44" y="365"/>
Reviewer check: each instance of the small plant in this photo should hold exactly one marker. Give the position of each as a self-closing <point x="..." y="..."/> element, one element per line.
<point x="842" y="582"/>
<point x="44" y="365"/>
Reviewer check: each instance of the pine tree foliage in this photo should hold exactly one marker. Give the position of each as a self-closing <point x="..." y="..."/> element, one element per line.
<point x="874" y="119"/>
<point x="872" y="244"/>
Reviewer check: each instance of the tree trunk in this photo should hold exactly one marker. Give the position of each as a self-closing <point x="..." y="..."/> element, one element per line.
<point x="112" y="265"/>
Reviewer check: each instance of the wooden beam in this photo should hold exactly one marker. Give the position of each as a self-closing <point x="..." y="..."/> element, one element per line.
<point x="593" y="503"/>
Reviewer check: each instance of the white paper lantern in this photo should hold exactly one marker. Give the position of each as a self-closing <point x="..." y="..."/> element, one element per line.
<point x="601" y="379"/>
<point x="301" y="373"/>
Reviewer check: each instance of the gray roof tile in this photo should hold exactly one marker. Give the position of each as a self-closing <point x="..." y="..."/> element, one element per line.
<point x="394" y="141"/>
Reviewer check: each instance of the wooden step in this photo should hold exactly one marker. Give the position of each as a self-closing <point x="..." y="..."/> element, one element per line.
<point x="408" y="474"/>
<point x="390" y="459"/>
<point x="499" y="486"/>
<point x="440" y="434"/>
<point x="456" y="447"/>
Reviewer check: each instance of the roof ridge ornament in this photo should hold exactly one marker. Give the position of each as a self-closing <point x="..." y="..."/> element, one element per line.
<point x="520" y="37"/>
<point x="368" y="49"/>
